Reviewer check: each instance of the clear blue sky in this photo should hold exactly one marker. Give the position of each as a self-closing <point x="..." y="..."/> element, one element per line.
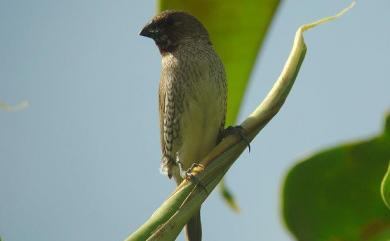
<point x="81" y="163"/>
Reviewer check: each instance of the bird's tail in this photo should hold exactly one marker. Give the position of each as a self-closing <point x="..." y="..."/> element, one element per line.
<point x="194" y="228"/>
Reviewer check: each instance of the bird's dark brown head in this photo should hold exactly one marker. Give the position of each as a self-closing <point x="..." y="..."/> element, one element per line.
<point x="171" y="28"/>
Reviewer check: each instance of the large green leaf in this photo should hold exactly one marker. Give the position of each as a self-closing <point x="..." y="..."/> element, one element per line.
<point x="335" y="194"/>
<point x="237" y="30"/>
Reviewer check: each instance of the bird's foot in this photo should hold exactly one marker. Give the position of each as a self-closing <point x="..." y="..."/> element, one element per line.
<point x="187" y="174"/>
<point x="236" y="130"/>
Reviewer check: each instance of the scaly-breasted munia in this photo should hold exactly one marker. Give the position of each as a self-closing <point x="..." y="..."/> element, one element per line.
<point x="192" y="95"/>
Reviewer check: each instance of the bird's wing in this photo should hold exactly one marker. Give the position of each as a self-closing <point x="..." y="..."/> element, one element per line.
<point x="161" y="101"/>
<point x="166" y="145"/>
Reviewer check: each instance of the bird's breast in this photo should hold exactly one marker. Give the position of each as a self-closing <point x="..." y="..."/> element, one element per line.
<point x="196" y="88"/>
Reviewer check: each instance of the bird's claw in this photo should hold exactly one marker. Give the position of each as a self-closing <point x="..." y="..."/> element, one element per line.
<point x="236" y="130"/>
<point x="191" y="177"/>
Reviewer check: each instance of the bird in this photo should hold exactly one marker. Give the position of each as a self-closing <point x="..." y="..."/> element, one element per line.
<point x="192" y="96"/>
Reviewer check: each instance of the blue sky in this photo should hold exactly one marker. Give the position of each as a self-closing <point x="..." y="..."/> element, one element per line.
<point x="81" y="163"/>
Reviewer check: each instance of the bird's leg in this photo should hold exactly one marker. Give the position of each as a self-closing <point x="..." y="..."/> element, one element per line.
<point x="192" y="178"/>
<point x="182" y="172"/>
<point x="187" y="174"/>
<point x="235" y="130"/>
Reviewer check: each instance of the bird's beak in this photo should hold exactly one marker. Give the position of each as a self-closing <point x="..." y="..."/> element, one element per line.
<point x="149" y="31"/>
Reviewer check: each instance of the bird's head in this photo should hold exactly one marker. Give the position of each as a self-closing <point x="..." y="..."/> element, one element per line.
<point x="171" y="28"/>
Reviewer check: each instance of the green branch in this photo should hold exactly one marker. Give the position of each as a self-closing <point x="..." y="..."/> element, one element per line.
<point x="169" y="219"/>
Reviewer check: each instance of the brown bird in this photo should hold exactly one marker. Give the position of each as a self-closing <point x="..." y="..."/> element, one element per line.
<point x="192" y="96"/>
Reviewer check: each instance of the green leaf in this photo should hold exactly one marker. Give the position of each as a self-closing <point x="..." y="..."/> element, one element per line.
<point x="228" y="196"/>
<point x="237" y="30"/>
<point x="334" y="195"/>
